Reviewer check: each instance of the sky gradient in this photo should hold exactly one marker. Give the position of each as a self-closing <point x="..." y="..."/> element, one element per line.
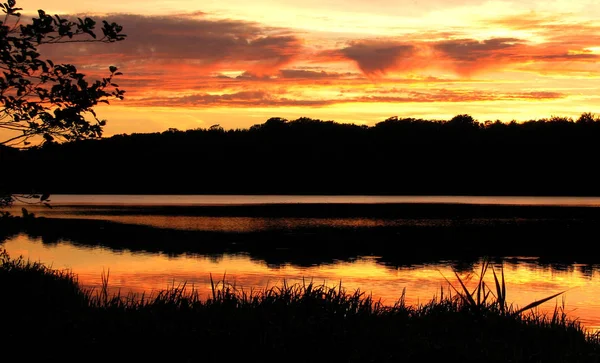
<point x="193" y="64"/>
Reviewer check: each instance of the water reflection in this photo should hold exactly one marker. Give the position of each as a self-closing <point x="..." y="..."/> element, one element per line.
<point x="396" y="242"/>
<point x="527" y="279"/>
<point x="246" y="224"/>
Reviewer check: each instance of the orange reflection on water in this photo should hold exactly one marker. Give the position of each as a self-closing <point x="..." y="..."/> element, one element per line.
<point x="526" y="281"/>
<point x="221" y="223"/>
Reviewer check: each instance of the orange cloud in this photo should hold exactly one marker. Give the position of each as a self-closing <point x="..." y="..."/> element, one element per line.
<point x="262" y="98"/>
<point x="525" y="21"/>
<point x="196" y="62"/>
<point x="556" y="31"/>
<point x="181" y="50"/>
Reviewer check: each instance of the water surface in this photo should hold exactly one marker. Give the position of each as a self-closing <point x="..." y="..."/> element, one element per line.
<point x="116" y="200"/>
<point x="135" y="267"/>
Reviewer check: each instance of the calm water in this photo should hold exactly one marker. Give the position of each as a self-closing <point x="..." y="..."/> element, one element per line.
<point x="527" y="278"/>
<point x="116" y="200"/>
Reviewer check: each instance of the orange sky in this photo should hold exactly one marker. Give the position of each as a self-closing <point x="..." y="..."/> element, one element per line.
<point x="192" y="64"/>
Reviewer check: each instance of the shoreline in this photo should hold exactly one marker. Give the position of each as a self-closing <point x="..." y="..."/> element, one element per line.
<point x="321" y="210"/>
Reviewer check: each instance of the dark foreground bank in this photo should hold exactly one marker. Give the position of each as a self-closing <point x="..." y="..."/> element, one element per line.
<point x="46" y="315"/>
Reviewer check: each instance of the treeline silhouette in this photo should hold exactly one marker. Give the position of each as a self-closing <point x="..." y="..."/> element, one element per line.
<point x="555" y="156"/>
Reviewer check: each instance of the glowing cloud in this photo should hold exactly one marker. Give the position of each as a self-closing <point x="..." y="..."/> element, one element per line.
<point x="342" y="59"/>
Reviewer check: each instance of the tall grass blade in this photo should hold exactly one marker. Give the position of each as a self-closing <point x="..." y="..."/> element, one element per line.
<point x="212" y="287"/>
<point x="537" y="303"/>
<point x="500" y="291"/>
<point x="480" y="285"/>
<point x="503" y="284"/>
<point x="450" y="284"/>
<point x="467" y="295"/>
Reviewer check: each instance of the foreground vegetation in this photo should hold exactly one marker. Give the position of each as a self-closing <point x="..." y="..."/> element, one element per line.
<point x="47" y="309"/>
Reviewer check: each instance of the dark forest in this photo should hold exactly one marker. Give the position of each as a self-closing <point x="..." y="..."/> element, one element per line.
<point x="461" y="156"/>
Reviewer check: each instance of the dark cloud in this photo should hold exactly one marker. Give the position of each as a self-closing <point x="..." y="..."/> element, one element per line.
<point x="567" y="56"/>
<point x="306" y="74"/>
<point x="376" y="57"/>
<point x="293" y="75"/>
<point x="202" y="42"/>
<point x="469" y="50"/>
<point x="444" y="95"/>
<point x="535" y="95"/>
<point x="237" y="99"/>
<point x="461" y="56"/>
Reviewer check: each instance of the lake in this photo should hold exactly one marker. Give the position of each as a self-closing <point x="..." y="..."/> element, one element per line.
<point x="151" y="242"/>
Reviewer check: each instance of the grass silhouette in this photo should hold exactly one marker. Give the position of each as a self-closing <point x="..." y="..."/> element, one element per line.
<point x="305" y="322"/>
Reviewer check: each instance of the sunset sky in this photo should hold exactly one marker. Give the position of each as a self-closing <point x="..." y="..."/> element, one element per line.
<point x="192" y="64"/>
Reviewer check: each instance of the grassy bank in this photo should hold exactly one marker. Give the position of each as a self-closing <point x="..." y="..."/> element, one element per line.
<point x="47" y="312"/>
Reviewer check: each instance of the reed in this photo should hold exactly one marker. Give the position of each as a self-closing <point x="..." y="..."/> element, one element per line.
<point x="482" y="296"/>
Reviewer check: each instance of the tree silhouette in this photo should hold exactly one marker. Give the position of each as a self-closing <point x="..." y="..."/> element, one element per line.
<point x="42" y="101"/>
<point x="587" y="118"/>
<point x="463" y="121"/>
<point x="549" y="156"/>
